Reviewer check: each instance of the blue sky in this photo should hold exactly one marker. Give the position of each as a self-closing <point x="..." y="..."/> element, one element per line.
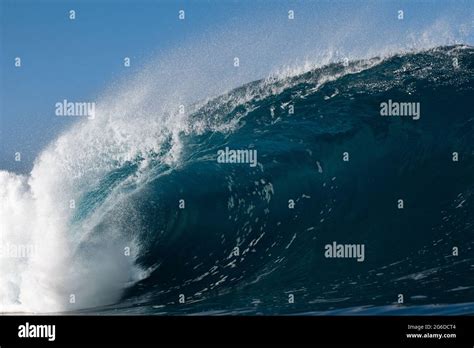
<point x="78" y="59"/>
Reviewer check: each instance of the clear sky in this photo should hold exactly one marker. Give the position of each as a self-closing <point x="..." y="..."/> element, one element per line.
<point x="78" y="59"/>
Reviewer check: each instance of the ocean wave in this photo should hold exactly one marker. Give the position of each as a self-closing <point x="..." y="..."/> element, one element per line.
<point x="101" y="206"/>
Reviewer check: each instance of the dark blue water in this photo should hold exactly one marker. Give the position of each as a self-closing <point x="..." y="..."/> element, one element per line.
<point x="408" y="251"/>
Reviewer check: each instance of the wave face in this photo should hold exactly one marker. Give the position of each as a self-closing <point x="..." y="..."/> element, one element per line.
<point x="127" y="216"/>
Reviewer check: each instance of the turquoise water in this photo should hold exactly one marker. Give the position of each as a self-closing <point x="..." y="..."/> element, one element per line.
<point x="281" y="251"/>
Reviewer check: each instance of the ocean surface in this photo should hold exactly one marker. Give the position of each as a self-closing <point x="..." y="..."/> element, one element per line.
<point x="130" y="217"/>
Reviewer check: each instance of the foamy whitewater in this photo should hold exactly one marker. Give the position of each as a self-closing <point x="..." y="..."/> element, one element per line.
<point x="87" y="198"/>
